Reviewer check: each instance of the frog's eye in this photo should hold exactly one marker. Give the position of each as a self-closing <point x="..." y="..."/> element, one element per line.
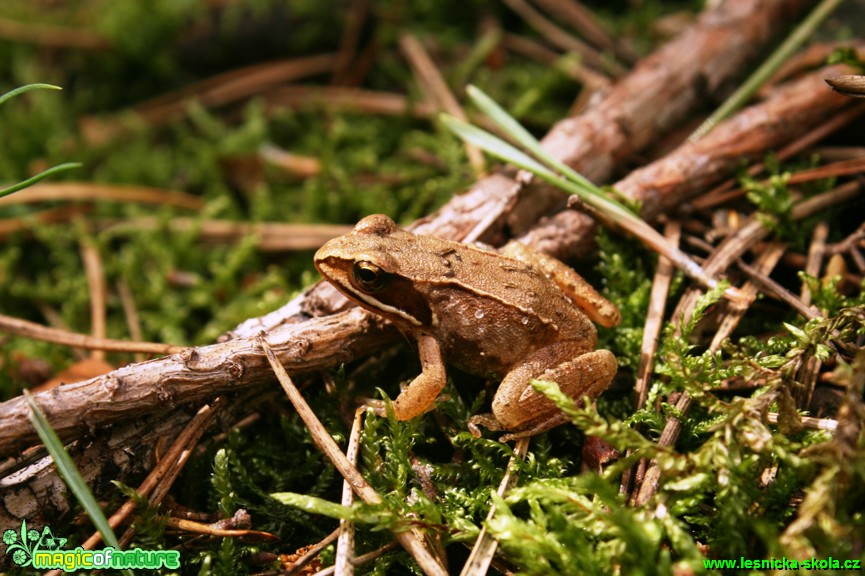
<point x="368" y="277"/>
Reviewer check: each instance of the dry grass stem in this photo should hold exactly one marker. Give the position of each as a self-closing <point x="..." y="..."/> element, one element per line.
<point x="91" y="192"/>
<point x="96" y="283"/>
<point x="75" y="340"/>
<point x="361" y="560"/>
<point x="52" y="36"/>
<point x="436" y="90"/>
<point x="561" y="39"/>
<point x="816" y="253"/>
<point x="735" y="311"/>
<point x="485" y="546"/>
<point x="163" y="475"/>
<point x="583" y="20"/>
<point x="411" y="540"/>
<point x="312" y="552"/>
<point x="344" y="564"/>
<point x="343" y="99"/>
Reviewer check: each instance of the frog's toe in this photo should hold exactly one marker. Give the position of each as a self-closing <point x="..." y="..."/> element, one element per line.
<point x="488" y="421"/>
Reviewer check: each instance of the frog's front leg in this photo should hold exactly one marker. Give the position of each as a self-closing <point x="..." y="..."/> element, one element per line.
<point x="425" y="388"/>
<point x="520" y="410"/>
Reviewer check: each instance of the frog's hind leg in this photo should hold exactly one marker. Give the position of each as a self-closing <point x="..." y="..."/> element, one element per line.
<point x="580" y="292"/>
<point x="522" y="411"/>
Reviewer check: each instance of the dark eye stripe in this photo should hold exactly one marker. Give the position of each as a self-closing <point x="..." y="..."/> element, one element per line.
<point x="399" y="293"/>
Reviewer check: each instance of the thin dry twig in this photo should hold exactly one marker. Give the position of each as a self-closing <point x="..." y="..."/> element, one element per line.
<point x="344" y="564"/>
<point x="537" y="51"/>
<point x="651" y="333"/>
<point x="436" y="89"/>
<point x="193" y="527"/>
<point x="411" y="540"/>
<point x="52" y="36"/>
<point x="271" y="236"/>
<point x="730" y="250"/>
<point x="816" y="252"/>
<point x="350" y="38"/>
<point x="91" y="191"/>
<point x="772" y="288"/>
<point x="215" y="91"/>
<point x="311" y="553"/>
<point x="485" y="546"/>
<point x="76" y="340"/>
<point x="655" y="316"/>
<point x="130" y="312"/>
<point x="735" y="311"/>
<point x="346" y="99"/>
<point x="583" y="20"/>
<point x="98" y="292"/>
<point x="361" y="560"/>
<point x="161" y="478"/>
<point x="562" y="39"/>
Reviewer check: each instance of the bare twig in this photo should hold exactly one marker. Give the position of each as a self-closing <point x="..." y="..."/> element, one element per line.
<point x="344" y="564"/>
<point x="52" y="36"/>
<point x="96" y="283"/>
<point x="46" y="334"/>
<point x="774" y="289"/>
<point x="361" y="560"/>
<point x="562" y="39"/>
<point x="581" y="18"/>
<point x="411" y="540"/>
<point x="484" y="549"/>
<point x="160" y="479"/>
<point x="90" y="191"/>
<point x="312" y="552"/>
<point x="437" y="90"/>
<point x="816" y="252"/>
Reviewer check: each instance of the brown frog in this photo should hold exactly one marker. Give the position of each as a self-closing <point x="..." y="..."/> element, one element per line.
<point x="516" y="315"/>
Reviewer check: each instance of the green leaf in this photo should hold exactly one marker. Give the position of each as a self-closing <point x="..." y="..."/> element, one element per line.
<point x="69" y="472"/>
<point x="314" y="505"/>
<point x="798" y="333"/>
<point x="41" y="176"/>
<point x="27" y="88"/>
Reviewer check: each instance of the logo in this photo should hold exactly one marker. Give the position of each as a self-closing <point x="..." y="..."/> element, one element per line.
<point x="44" y="551"/>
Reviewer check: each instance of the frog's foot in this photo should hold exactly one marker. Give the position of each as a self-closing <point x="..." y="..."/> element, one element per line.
<point x="523" y="411"/>
<point x="488" y="421"/>
<point x="539" y="428"/>
<point x="379" y="407"/>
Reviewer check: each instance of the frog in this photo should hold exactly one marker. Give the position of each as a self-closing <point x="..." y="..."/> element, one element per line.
<point x="515" y="315"/>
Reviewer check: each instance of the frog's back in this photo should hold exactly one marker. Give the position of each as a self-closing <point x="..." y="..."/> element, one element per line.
<point x="489" y="273"/>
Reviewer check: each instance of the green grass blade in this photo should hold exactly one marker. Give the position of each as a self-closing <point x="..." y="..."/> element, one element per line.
<point x="613" y="210"/>
<point x="492" y="144"/>
<point x="744" y="93"/>
<point x="68" y="471"/>
<point x="509" y="125"/>
<point x="41" y="176"/>
<point x="27" y="88"/>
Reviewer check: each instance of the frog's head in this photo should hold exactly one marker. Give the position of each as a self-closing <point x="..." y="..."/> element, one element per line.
<point x="370" y="265"/>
